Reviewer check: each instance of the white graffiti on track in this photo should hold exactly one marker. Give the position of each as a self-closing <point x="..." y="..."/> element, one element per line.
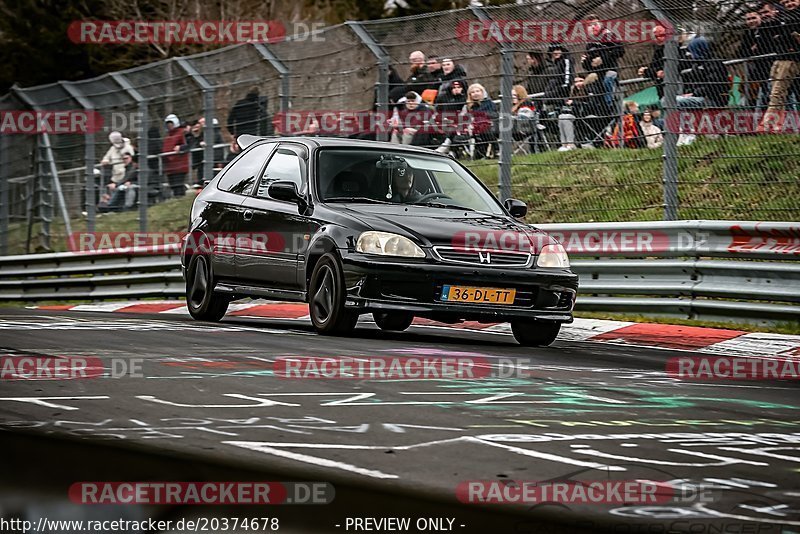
<point x="183" y="427"/>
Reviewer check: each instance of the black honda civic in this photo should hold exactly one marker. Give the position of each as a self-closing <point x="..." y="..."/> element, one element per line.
<point x="355" y="227"/>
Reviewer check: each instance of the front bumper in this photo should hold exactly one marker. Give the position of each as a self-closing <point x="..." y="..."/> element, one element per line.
<point x="415" y="286"/>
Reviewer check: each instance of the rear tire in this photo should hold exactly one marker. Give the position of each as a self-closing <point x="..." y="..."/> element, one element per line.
<point x="393" y="321"/>
<point x="326" y="298"/>
<point x="535" y="333"/>
<point x="203" y="304"/>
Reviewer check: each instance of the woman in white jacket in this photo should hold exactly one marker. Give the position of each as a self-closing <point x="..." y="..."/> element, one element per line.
<point x="113" y="157"/>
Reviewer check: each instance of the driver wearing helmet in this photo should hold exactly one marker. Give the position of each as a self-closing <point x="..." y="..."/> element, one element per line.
<point x="403" y="184"/>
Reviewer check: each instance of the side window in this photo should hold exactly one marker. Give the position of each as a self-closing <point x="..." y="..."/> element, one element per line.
<point x="284" y="165"/>
<point x="241" y="176"/>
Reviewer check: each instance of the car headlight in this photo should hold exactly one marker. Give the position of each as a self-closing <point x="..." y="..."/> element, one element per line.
<point x="553" y="257"/>
<point x="387" y="244"/>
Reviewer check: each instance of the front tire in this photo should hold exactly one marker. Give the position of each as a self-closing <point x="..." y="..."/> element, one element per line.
<point x="393" y="321"/>
<point x="326" y="299"/>
<point x="535" y="333"/>
<point x="203" y="304"/>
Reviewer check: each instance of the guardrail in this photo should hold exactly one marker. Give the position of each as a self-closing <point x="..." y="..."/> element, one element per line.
<point x="713" y="270"/>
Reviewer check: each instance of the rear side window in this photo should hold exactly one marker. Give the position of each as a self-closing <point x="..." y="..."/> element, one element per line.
<point x="242" y="175"/>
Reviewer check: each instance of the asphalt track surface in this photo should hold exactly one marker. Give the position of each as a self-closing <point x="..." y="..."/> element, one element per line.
<point x="207" y="407"/>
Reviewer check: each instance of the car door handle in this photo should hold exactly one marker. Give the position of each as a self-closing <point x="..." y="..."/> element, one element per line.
<point x="247" y="215"/>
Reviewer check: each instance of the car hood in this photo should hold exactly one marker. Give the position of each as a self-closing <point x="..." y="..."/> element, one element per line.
<point x="431" y="226"/>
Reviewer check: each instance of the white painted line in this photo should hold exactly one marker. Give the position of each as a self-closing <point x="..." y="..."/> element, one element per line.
<point x="313" y="460"/>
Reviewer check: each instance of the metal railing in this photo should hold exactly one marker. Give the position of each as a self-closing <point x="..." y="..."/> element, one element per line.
<point x="720" y="270"/>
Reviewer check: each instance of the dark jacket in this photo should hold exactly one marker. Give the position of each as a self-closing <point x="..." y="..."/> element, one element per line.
<point x="536" y="79"/>
<point x="458" y="74"/>
<point x="590" y="100"/>
<point x="175" y="163"/>
<point x="446" y="101"/>
<point x="244" y="116"/>
<point x="657" y="64"/>
<point x="707" y="76"/>
<point x="779" y="35"/>
<point x="755" y="42"/>
<point x="560" y="75"/>
<point x="609" y="51"/>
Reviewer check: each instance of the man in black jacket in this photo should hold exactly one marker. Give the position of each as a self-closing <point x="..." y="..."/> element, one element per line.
<point x="755" y="43"/>
<point x="245" y="115"/>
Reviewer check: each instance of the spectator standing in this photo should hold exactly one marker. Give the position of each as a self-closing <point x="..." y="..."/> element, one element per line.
<point x="245" y="115"/>
<point x="783" y="34"/>
<point x="176" y="164"/>
<point x="536" y="78"/>
<point x="419" y="78"/>
<point x="755" y="43"/>
<point x="706" y="83"/>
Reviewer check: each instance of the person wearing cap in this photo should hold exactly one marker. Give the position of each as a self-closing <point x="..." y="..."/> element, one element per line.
<point x="113" y="157"/>
<point x="403" y="185"/>
<point x="176" y="164"/>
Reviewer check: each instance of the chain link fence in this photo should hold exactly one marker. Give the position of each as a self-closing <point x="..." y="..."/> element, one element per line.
<point x="577" y="139"/>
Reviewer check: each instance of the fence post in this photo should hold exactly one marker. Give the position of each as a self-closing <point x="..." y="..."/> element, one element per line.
<point x="5" y="209"/>
<point x="382" y="96"/>
<point x="671" y="81"/>
<point x="506" y="122"/>
<point x="208" y="113"/>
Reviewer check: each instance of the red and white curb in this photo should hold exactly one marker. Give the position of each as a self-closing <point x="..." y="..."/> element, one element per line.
<point x="691" y="338"/>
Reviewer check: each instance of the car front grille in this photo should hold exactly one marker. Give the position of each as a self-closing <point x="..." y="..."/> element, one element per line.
<point x="490" y="258"/>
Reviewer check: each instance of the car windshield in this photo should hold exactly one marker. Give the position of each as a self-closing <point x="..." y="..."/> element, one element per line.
<point x="383" y="176"/>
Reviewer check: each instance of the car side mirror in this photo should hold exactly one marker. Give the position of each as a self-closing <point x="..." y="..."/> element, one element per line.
<point x="283" y="190"/>
<point x="516" y="208"/>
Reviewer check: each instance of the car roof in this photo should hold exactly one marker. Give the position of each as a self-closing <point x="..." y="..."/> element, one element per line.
<point x="338" y="142"/>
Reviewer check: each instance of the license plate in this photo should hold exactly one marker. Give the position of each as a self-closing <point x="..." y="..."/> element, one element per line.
<point x="479" y="295"/>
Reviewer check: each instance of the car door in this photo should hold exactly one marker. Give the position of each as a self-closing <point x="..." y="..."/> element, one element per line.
<point x="277" y="232"/>
<point x="223" y="212"/>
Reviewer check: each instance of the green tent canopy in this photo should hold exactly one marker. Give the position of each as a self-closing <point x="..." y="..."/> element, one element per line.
<point x="649" y="97"/>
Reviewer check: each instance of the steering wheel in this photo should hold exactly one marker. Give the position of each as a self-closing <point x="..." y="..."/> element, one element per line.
<point x="431" y="196"/>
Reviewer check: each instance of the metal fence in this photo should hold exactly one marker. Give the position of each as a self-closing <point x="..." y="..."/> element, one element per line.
<point x="602" y="172"/>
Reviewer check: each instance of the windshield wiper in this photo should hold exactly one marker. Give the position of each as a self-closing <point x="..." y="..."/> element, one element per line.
<point x="356" y="199"/>
<point x="444" y="205"/>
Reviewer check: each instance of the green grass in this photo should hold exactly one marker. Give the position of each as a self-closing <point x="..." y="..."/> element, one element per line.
<point x="740" y="178"/>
